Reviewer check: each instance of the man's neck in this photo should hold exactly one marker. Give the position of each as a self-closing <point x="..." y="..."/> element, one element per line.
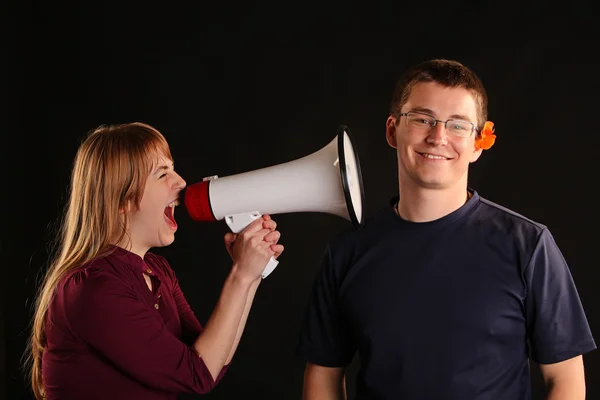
<point x="424" y="205"/>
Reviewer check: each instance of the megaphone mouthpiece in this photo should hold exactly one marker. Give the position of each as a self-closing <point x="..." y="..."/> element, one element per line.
<point x="197" y="202"/>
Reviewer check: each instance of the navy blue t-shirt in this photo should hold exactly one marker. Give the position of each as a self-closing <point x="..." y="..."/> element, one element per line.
<point x="448" y="309"/>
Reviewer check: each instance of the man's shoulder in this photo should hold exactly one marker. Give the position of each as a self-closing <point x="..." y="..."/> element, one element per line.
<point x="492" y="211"/>
<point x="508" y="213"/>
<point x="373" y="226"/>
<point x="503" y="223"/>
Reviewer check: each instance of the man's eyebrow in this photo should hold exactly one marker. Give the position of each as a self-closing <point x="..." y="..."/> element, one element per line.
<point x="422" y="110"/>
<point x="428" y="111"/>
<point x="460" y="116"/>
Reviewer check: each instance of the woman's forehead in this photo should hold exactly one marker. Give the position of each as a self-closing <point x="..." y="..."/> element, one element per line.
<point x="159" y="158"/>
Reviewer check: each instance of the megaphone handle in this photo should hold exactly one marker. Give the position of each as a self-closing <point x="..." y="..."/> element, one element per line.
<point x="237" y="223"/>
<point x="271" y="265"/>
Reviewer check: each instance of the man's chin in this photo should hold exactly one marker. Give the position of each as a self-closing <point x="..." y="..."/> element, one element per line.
<point x="433" y="183"/>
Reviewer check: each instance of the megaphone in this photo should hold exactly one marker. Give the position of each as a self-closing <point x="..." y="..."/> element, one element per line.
<point x="327" y="181"/>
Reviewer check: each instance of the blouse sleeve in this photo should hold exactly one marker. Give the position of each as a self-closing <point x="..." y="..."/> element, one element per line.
<point x="190" y="326"/>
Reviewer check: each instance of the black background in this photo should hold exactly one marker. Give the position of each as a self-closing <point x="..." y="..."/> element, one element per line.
<point x="240" y="87"/>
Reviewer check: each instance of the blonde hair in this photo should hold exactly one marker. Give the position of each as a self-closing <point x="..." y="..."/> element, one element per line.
<point x="109" y="173"/>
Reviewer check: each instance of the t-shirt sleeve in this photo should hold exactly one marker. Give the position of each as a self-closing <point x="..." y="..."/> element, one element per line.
<point x="106" y="313"/>
<point x="324" y="337"/>
<point x="556" y="322"/>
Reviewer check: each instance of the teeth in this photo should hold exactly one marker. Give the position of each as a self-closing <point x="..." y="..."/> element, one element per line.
<point x="173" y="204"/>
<point x="433" y="157"/>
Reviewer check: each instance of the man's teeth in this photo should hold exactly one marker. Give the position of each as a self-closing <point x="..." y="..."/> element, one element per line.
<point x="433" y="156"/>
<point x="173" y="204"/>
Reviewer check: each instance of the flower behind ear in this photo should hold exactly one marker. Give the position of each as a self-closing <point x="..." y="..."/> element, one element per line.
<point x="487" y="138"/>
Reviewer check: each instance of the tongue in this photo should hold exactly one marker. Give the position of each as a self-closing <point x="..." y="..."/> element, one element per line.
<point x="169" y="214"/>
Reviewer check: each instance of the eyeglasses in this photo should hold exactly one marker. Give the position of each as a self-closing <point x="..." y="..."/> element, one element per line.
<point x="425" y="122"/>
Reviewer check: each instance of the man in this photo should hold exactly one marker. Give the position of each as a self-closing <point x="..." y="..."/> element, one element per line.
<point x="443" y="294"/>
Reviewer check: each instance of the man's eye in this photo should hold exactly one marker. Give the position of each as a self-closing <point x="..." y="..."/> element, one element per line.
<point x="162" y="176"/>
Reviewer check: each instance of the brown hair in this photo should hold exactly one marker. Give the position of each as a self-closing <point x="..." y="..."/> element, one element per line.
<point x="109" y="172"/>
<point x="447" y="73"/>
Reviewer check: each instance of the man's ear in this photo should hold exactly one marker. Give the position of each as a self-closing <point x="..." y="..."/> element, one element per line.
<point x="390" y="131"/>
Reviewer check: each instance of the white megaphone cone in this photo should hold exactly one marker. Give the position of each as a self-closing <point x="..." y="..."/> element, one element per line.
<point x="328" y="181"/>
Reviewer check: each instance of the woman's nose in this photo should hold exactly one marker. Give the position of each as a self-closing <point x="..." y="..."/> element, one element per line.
<point x="180" y="183"/>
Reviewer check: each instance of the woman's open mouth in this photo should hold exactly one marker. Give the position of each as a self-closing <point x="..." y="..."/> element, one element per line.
<point x="170" y="213"/>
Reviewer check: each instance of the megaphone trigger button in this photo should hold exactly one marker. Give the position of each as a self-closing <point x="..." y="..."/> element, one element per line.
<point x="209" y="178"/>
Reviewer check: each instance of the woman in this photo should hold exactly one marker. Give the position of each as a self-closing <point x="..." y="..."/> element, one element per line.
<point x="111" y="320"/>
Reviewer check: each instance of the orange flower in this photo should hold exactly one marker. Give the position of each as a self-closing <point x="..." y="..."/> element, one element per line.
<point x="487" y="138"/>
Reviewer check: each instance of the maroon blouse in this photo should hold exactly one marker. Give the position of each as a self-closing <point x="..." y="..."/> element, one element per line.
<point x="110" y="337"/>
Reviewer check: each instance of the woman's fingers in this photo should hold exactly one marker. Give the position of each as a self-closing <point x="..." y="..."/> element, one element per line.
<point x="272" y="237"/>
<point x="269" y="224"/>
<point x="277" y="249"/>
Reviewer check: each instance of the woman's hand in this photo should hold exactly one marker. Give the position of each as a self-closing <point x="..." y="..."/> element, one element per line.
<point x="273" y="236"/>
<point x="252" y="248"/>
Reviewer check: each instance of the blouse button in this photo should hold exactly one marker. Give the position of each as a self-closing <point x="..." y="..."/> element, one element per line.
<point x="156" y="306"/>
<point x="149" y="271"/>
